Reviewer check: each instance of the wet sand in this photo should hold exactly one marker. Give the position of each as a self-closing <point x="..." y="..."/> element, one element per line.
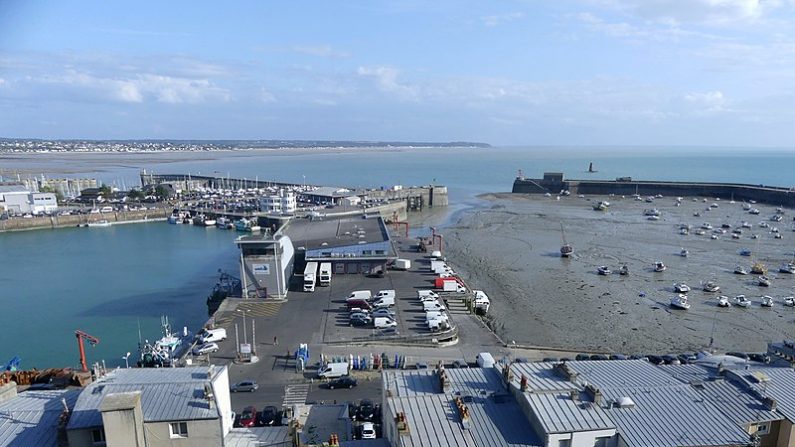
<point x="510" y="248"/>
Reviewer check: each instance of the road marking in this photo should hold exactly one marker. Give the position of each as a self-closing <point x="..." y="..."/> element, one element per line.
<point x="256" y="309"/>
<point x="295" y="394"/>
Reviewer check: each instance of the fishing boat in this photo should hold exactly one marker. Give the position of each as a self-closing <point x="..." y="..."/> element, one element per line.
<point x="723" y="301"/>
<point x="764" y="281"/>
<point x="684" y="253"/>
<point x="789" y="301"/>
<point x="742" y="301"/>
<point x="624" y="270"/>
<point x="740" y="270"/>
<point x="680" y="302"/>
<point x="659" y="266"/>
<point x="242" y="224"/>
<point x="98" y="224"/>
<point x="603" y="270"/>
<point x="566" y="250"/>
<point x="710" y="286"/>
<point x="787" y="267"/>
<point x="681" y="287"/>
<point x="176" y="217"/>
<point x="224" y="223"/>
<point x="767" y="301"/>
<point x="226" y="286"/>
<point x="165" y="351"/>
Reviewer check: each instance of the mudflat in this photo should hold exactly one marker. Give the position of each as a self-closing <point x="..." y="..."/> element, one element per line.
<point x="510" y="247"/>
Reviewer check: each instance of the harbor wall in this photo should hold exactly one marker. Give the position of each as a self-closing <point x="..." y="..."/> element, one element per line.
<point x="741" y="192"/>
<point x="48" y="222"/>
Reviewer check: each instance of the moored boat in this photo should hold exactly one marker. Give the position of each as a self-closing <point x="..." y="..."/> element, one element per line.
<point x="789" y="301"/>
<point x="99" y="224"/>
<point x="740" y="270"/>
<point x="723" y="301"/>
<point x="711" y="286"/>
<point x="681" y="287"/>
<point x="603" y="270"/>
<point x="624" y="270"/>
<point x="659" y="266"/>
<point x="764" y="281"/>
<point x="742" y="301"/>
<point x="767" y="301"/>
<point x="787" y="267"/>
<point x="680" y="302"/>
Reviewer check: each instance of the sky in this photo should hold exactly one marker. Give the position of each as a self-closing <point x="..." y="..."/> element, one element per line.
<point x="532" y="72"/>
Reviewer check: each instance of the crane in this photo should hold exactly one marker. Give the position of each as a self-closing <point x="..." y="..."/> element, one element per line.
<point x="91" y="339"/>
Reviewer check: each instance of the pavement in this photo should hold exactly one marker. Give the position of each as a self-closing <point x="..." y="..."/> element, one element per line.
<point x="319" y="318"/>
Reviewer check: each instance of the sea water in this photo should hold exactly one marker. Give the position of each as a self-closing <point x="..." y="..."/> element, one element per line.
<point x="109" y="281"/>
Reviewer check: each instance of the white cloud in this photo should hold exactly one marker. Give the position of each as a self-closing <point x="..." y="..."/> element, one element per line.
<point x="386" y="79"/>
<point x="707" y="102"/>
<point x="320" y="51"/>
<point x="496" y="19"/>
<point x="710" y="12"/>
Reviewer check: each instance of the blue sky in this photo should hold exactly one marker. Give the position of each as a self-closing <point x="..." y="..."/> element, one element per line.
<point x="569" y="72"/>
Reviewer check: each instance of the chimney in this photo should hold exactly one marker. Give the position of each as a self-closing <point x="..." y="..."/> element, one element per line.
<point x="402" y="425"/>
<point x="594" y="393"/>
<point x="123" y="419"/>
<point x="575" y="395"/>
<point x="334" y="440"/>
<point x="523" y="383"/>
<point x="770" y="403"/>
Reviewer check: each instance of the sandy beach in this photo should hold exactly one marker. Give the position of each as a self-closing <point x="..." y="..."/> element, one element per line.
<point x="510" y="248"/>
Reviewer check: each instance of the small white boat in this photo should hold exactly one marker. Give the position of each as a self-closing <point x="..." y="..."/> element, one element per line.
<point x="787" y="267"/>
<point x="601" y="205"/>
<point x="254" y="229"/>
<point x="659" y="266"/>
<point x="603" y="270"/>
<point x="723" y="301"/>
<point x="651" y="212"/>
<point x="706" y="226"/>
<point x="746" y="224"/>
<point x="764" y="281"/>
<point x="789" y="301"/>
<point x="710" y="286"/>
<point x="753" y="211"/>
<point x="681" y="287"/>
<point x="745" y="252"/>
<point x="777" y="236"/>
<point x="767" y="301"/>
<point x="700" y="232"/>
<point x="99" y="224"/>
<point x="653" y="218"/>
<point x="776" y="218"/>
<point x="764" y="224"/>
<point x="684" y="231"/>
<point x="714" y="237"/>
<point x="680" y="302"/>
<point x="740" y="270"/>
<point x="624" y="270"/>
<point x="746" y="206"/>
<point x="735" y="236"/>
<point x="696" y="214"/>
<point x="209" y="222"/>
<point x="742" y="301"/>
<point x="684" y="253"/>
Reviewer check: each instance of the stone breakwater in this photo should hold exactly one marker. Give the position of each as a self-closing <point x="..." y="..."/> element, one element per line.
<point x="44" y="222"/>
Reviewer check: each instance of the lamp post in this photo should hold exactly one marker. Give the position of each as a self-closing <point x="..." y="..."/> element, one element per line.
<point x="126" y="361"/>
<point x="245" y="338"/>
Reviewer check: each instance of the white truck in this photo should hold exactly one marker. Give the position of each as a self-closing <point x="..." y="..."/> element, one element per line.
<point x="333" y="370"/>
<point x="310" y="276"/>
<point x="324" y="276"/>
<point x="401" y="264"/>
<point x="482" y="302"/>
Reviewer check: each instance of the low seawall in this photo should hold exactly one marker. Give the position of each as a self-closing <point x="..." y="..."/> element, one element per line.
<point x="48" y="222"/>
<point x="737" y="191"/>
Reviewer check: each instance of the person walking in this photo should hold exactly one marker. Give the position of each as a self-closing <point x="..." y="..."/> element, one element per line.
<point x="275" y="341"/>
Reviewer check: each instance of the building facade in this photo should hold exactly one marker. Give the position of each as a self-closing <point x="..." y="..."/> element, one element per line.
<point x="284" y="202"/>
<point x="266" y="265"/>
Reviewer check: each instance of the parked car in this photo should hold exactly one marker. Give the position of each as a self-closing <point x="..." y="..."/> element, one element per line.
<point x="360" y="320"/>
<point x="245" y="386"/>
<point x="383" y="312"/>
<point x="270" y="416"/>
<point x="368" y="430"/>
<point x="342" y="382"/>
<point x="205" y="348"/>
<point x="366" y="411"/>
<point x="248" y="418"/>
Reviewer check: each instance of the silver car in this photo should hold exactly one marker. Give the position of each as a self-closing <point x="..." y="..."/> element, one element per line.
<point x="383" y="312"/>
<point x="245" y="386"/>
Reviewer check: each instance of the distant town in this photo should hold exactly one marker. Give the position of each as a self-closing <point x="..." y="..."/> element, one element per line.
<point x="45" y="146"/>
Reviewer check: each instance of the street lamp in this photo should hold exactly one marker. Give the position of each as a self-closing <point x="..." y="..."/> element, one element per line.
<point x="126" y="361"/>
<point x="245" y="338"/>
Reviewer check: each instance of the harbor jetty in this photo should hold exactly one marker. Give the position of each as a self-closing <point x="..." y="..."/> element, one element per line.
<point x="554" y="183"/>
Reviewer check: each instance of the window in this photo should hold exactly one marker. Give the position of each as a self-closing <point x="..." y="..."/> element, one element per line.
<point x="98" y="437"/>
<point x="178" y="429"/>
<point x="564" y="443"/>
<point x="762" y="429"/>
<point x="600" y="442"/>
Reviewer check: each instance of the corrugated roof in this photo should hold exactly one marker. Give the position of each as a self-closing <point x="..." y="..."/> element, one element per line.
<point x="670" y="417"/>
<point x="13" y="188"/>
<point x="541" y="377"/>
<point x="410" y="383"/>
<point x="689" y="373"/>
<point x="258" y="437"/>
<point x="31" y="418"/>
<point x="463" y="381"/>
<point x="780" y="387"/>
<point x="182" y="387"/>
<point x="431" y="422"/>
<point x="622" y="373"/>
<point x="558" y="413"/>
<point x="741" y="407"/>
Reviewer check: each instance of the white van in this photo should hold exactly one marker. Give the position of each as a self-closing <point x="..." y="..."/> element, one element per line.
<point x="435" y="315"/>
<point x="437" y="325"/>
<point x="384" y="302"/>
<point x="213" y="335"/>
<point x="333" y="370"/>
<point x="425" y="295"/>
<point x="360" y="295"/>
<point x="436" y="254"/>
<point x="485" y="360"/>
<point x="385" y="294"/>
<point x="432" y="305"/>
<point x="401" y="264"/>
<point x="383" y="323"/>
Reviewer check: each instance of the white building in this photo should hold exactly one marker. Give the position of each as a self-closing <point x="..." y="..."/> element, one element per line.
<point x="282" y="203"/>
<point x="15" y="198"/>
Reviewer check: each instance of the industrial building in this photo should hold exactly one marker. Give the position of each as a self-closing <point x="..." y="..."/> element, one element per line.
<point x="33" y="418"/>
<point x="357" y="244"/>
<point x="266" y="265"/>
<point x="17" y="199"/>
<point x="69" y="188"/>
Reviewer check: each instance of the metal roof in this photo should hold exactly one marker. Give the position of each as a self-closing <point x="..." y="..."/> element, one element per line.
<point x="558" y="413"/>
<point x="690" y="372"/>
<point x="780" y="387"/>
<point x="13" y="189"/>
<point x="622" y="373"/>
<point x="183" y="386"/>
<point x="462" y="381"/>
<point x="430" y="422"/>
<point x="31" y="418"/>
<point x="541" y="377"/>
<point x="670" y="417"/>
<point x="336" y="232"/>
<point x="410" y="383"/>
<point x="325" y="420"/>
<point x="258" y="437"/>
<point x="741" y="407"/>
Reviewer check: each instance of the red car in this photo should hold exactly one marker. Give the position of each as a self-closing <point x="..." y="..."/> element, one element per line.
<point x="249" y="417"/>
